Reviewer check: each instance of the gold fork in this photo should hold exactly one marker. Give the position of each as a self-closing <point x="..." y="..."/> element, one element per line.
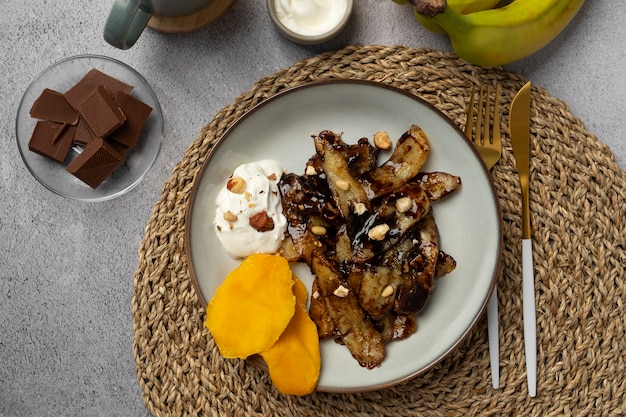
<point x="489" y="147"/>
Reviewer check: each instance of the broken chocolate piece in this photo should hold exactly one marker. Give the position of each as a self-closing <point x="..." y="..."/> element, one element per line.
<point x="83" y="134"/>
<point x="52" y="105"/>
<point x="137" y="113"/>
<point x="97" y="161"/>
<point x="101" y="113"/>
<point x="119" y="147"/>
<point x="94" y="78"/>
<point x="51" y="139"/>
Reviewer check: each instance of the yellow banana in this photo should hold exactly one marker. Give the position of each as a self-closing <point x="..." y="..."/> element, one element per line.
<point x="506" y="34"/>
<point x="461" y="6"/>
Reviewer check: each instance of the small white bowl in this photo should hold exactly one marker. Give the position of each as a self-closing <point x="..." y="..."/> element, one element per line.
<point x="304" y="38"/>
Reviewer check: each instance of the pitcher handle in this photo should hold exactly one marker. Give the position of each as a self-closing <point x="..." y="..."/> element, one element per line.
<point x="126" y="21"/>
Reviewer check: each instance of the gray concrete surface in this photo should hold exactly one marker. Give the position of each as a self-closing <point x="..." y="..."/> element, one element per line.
<point x="66" y="267"/>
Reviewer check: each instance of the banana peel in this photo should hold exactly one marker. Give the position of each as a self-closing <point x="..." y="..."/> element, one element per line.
<point x="501" y="35"/>
<point x="461" y="6"/>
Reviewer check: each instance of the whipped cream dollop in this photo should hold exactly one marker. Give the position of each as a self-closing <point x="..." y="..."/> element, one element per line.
<point x="249" y="214"/>
<point x="311" y="17"/>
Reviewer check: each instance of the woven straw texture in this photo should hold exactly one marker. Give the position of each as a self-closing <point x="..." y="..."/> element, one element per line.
<point x="578" y="225"/>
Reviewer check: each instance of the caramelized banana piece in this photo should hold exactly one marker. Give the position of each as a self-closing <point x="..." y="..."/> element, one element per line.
<point x="300" y="202"/>
<point x="319" y="314"/>
<point x="377" y="294"/>
<point x="437" y="185"/>
<point x="445" y="265"/>
<point x="360" y="157"/>
<point x="415" y="288"/>
<point x="397" y="213"/>
<point x="396" y="326"/>
<point x="357" y="332"/>
<point x="407" y="159"/>
<point x="347" y="192"/>
<point x="289" y="250"/>
<point x="378" y="290"/>
<point x="304" y="196"/>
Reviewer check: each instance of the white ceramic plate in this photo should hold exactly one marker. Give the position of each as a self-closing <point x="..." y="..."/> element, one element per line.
<point x="469" y="221"/>
<point x="63" y="75"/>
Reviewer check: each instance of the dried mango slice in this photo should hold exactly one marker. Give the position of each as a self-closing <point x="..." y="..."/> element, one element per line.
<point x="294" y="360"/>
<point x="252" y="307"/>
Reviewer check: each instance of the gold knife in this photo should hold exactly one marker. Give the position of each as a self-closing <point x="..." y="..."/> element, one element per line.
<point x="519" y="126"/>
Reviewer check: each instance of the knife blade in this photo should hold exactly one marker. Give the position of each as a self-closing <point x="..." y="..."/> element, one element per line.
<point x="519" y="127"/>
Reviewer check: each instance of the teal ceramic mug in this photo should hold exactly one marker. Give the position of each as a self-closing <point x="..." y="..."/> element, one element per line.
<point x="128" y="18"/>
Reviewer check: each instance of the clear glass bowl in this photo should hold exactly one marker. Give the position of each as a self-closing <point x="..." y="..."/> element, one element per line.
<point x="61" y="77"/>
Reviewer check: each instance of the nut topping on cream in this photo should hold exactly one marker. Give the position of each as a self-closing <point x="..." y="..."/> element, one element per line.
<point x="249" y="216"/>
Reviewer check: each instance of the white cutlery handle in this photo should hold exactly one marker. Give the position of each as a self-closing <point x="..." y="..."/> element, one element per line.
<point x="494" y="343"/>
<point x="530" y="319"/>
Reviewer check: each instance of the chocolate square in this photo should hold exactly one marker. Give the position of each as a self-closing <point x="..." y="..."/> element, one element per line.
<point x="51" y="139"/>
<point x="137" y="113"/>
<point x="94" y="78"/>
<point x="120" y="148"/>
<point x="97" y="161"/>
<point x="52" y="105"/>
<point x="83" y="134"/>
<point x="101" y="113"/>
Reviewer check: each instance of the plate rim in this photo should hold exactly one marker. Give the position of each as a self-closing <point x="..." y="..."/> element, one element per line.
<point x="289" y="90"/>
<point x="156" y="108"/>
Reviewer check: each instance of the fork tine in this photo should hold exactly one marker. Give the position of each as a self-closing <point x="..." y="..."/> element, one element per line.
<point x="486" y="140"/>
<point x="469" y="122"/>
<point x="478" y="130"/>
<point x="496" y="117"/>
<point x="479" y="117"/>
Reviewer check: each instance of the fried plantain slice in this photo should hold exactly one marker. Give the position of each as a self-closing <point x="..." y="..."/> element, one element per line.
<point x="415" y="288"/>
<point x="347" y="192"/>
<point x="304" y="196"/>
<point x="406" y="160"/>
<point x="397" y="213"/>
<point x="360" y="157"/>
<point x="437" y="185"/>
<point x="364" y="342"/>
<point x="319" y="314"/>
<point x="445" y="264"/>
<point x="381" y="280"/>
<point x="396" y="326"/>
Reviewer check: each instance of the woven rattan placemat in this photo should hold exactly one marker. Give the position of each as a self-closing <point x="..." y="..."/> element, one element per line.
<point x="578" y="222"/>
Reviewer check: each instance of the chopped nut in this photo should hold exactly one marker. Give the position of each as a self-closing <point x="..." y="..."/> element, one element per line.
<point x="318" y="230"/>
<point x="341" y="291"/>
<point x="359" y="208"/>
<point x="262" y="222"/>
<point x="236" y="185"/>
<point x="310" y="170"/>
<point x="342" y="185"/>
<point x="403" y="204"/>
<point x="378" y="232"/>
<point x="316" y="295"/>
<point x="272" y="177"/>
<point x="229" y="216"/>
<point x="382" y="140"/>
<point x="387" y="291"/>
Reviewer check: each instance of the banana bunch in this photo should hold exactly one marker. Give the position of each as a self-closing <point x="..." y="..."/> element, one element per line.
<point x="487" y="36"/>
